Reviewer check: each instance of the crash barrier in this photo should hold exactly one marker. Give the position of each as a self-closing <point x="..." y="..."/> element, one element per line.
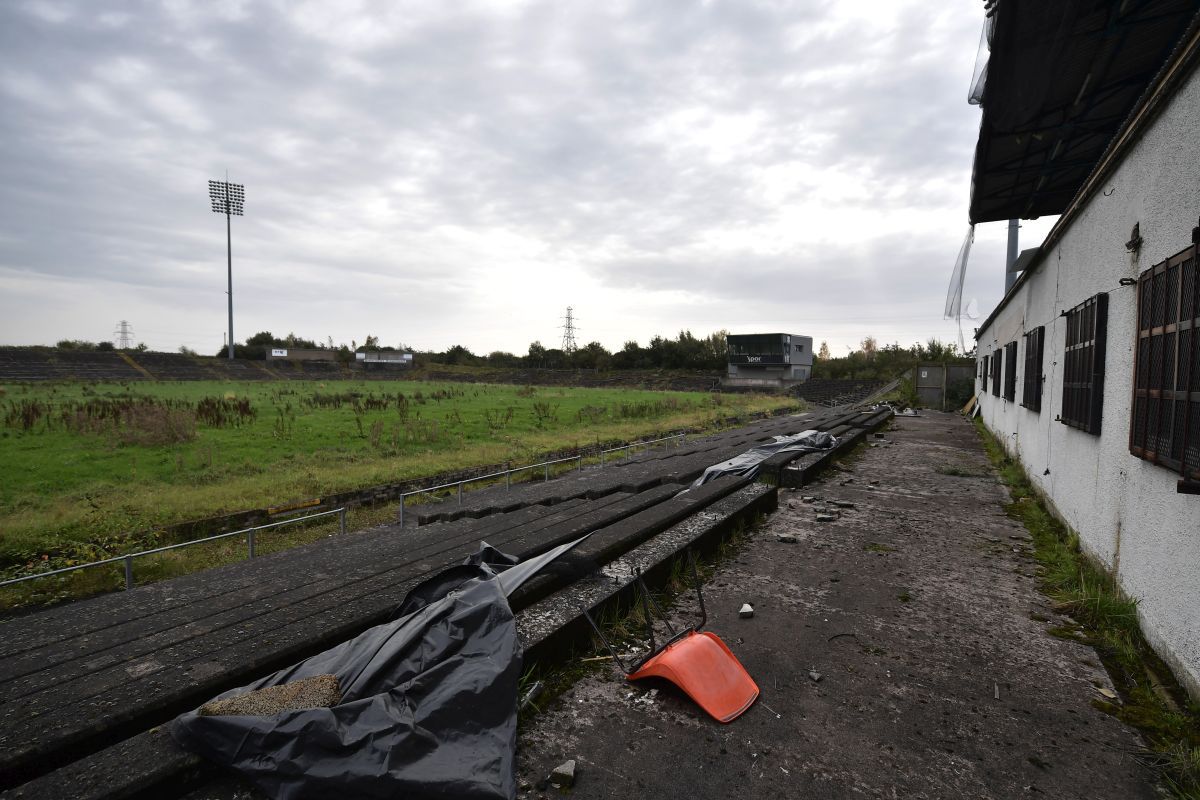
<point x="545" y="466"/>
<point x="129" y="557"/>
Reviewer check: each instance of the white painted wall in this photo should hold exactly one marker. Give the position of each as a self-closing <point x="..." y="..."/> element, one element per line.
<point x="1126" y="510"/>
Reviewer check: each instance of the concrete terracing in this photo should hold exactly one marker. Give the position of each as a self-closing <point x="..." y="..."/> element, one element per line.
<point x="83" y="687"/>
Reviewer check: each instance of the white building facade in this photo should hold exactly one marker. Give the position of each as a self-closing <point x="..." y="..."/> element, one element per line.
<point x="1089" y="370"/>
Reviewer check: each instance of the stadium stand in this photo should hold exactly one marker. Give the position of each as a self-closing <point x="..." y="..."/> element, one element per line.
<point x="835" y="392"/>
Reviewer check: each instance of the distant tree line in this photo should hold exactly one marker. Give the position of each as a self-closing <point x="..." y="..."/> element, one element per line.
<point x="874" y="363"/>
<point x="685" y="352"/>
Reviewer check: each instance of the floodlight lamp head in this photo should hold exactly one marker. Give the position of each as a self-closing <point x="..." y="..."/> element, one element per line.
<point x="227" y="198"/>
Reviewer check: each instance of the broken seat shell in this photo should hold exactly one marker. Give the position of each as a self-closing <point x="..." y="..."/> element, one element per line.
<point x="702" y="666"/>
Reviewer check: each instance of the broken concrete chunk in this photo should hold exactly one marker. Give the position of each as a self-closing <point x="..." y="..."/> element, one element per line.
<point x="814" y="676"/>
<point x="319" y="691"/>
<point x="809" y="498"/>
<point x="746" y="611"/>
<point x="826" y="517"/>
<point x="843" y="503"/>
<point x="563" y="776"/>
<point x="787" y="538"/>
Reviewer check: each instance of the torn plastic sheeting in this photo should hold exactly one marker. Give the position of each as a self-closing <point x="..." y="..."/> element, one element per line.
<point x="746" y="464"/>
<point x="428" y="708"/>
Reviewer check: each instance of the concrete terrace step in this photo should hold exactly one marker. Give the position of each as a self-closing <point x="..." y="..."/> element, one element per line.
<point x="151" y="765"/>
<point x="677" y="464"/>
<point x="126" y="673"/>
<point x="82" y="683"/>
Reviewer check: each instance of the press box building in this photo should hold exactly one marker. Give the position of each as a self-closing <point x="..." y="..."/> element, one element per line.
<point x="769" y="358"/>
<point x="1089" y="368"/>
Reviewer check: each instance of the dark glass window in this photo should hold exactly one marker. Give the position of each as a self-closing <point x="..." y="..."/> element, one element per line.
<point x="1166" y="386"/>
<point x="1083" y="364"/>
<point x="1010" y="375"/>
<point x="997" y="364"/>
<point x="1031" y="387"/>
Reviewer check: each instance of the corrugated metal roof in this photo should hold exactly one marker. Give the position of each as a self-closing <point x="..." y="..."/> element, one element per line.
<point x="1062" y="77"/>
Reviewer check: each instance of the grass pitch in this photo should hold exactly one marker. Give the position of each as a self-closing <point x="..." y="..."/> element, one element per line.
<point x="91" y="470"/>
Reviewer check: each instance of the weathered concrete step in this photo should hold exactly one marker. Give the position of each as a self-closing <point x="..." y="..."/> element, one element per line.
<point x="637" y="473"/>
<point x="180" y="669"/>
<point x="150" y="764"/>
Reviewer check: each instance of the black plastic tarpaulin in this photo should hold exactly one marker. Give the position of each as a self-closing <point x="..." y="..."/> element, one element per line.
<point x="428" y="702"/>
<point x="746" y="464"/>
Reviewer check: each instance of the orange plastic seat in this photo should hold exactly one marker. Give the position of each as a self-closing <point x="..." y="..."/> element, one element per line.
<point x="707" y="671"/>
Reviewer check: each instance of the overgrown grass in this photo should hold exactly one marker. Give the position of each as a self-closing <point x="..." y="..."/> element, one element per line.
<point x="1150" y="699"/>
<point x="92" y="470"/>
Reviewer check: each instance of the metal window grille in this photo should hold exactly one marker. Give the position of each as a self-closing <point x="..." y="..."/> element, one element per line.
<point x="1083" y="364"/>
<point x="1166" y="390"/>
<point x="1031" y="387"/>
<point x="997" y="368"/>
<point x="1010" y="374"/>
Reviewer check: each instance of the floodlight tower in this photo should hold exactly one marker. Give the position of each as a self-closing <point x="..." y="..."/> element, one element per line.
<point x="227" y="199"/>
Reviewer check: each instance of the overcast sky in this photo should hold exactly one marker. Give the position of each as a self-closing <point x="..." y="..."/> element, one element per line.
<point x="440" y="173"/>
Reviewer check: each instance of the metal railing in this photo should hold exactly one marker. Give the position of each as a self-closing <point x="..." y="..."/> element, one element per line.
<point x="544" y="465"/>
<point x="129" y="557"/>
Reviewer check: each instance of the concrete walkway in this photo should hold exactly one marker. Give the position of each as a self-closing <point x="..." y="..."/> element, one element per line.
<point x="917" y="610"/>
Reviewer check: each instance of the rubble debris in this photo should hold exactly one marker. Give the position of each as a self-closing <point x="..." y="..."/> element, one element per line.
<point x="746" y="611"/>
<point x="787" y="538"/>
<point x="563" y="776"/>
<point x="827" y="517"/>
<point x="814" y="676"/>
<point x="808" y="498"/>
<point x="842" y="503"/>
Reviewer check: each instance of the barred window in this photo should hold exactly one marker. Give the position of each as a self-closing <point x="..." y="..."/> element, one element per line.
<point x="1010" y="374"/>
<point x="1083" y="364"/>
<point x="983" y="374"/>
<point x="1166" y="388"/>
<point x="1031" y="388"/>
<point x="997" y="364"/>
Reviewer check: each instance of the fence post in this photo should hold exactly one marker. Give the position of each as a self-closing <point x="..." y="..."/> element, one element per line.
<point x="460" y="493"/>
<point x="250" y="542"/>
<point x="547" y="472"/>
<point x="581" y="463"/>
<point x="342" y="516"/>
<point x="508" y="480"/>
<point x="402" y="509"/>
<point x="602" y="458"/>
<point x="128" y="572"/>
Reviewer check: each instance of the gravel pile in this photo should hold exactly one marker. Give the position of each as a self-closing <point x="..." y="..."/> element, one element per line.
<point x="319" y="691"/>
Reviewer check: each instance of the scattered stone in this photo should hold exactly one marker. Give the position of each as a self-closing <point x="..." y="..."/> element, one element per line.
<point x="879" y="436"/>
<point x="826" y="517"/>
<point x="746" y="611"/>
<point x="787" y="538"/>
<point x="874" y="483"/>
<point x="809" y="499"/>
<point x="563" y="776"/>
<point x="847" y="481"/>
<point x="842" y="503"/>
<point x="814" y="676"/>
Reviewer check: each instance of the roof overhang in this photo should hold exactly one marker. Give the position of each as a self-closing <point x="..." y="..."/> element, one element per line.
<point x="1062" y="77"/>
